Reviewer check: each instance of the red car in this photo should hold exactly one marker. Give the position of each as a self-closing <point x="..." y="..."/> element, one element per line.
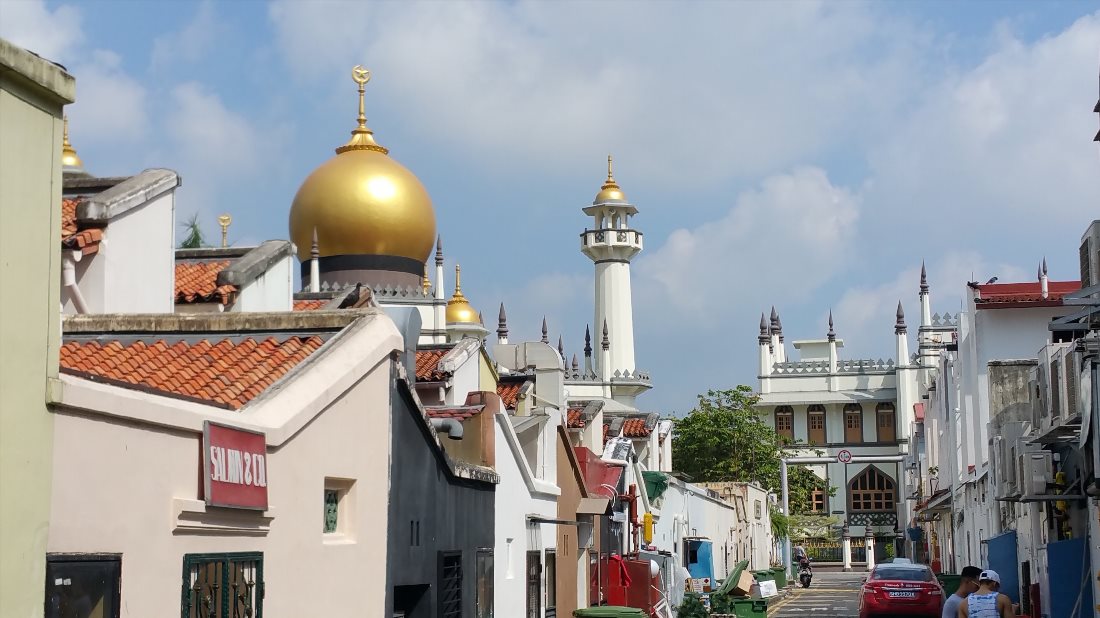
<point x="901" y="589"/>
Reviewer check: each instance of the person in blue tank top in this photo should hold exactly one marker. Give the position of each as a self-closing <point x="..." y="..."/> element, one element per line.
<point x="987" y="602"/>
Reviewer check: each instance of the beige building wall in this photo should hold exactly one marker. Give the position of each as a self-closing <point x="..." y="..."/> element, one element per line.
<point x="120" y="487"/>
<point x="32" y="94"/>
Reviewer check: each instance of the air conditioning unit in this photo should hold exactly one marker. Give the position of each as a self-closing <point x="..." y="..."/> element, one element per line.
<point x="1036" y="474"/>
<point x="1090" y="255"/>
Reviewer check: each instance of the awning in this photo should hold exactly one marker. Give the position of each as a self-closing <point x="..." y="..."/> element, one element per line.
<point x="538" y="519"/>
<point x="593" y="506"/>
<point x="938" y="501"/>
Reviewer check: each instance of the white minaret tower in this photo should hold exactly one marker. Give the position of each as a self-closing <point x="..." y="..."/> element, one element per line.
<point x="611" y="245"/>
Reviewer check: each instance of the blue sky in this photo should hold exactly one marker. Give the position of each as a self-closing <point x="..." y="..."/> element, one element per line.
<point x="807" y="155"/>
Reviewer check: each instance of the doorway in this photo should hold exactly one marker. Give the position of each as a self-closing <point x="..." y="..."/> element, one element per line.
<point x="83" y="585"/>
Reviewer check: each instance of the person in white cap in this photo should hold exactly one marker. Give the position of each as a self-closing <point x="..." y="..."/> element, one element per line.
<point x="987" y="602"/>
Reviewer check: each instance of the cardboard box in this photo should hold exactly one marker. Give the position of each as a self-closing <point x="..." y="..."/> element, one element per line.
<point x="744" y="584"/>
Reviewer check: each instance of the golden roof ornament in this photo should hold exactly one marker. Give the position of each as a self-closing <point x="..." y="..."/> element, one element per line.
<point x="362" y="138"/>
<point x="70" y="161"/>
<point x="224" y="221"/>
<point x="610" y="191"/>
<point x="426" y="283"/>
<point x="459" y="309"/>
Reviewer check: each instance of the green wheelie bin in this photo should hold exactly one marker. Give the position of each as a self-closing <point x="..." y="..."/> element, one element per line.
<point x="609" y="611"/>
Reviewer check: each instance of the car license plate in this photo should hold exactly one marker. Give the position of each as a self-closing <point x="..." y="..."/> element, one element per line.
<point x="903" y="594"/>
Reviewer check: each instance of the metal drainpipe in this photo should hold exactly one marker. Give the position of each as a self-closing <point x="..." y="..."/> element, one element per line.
<point x="68" y="281"/>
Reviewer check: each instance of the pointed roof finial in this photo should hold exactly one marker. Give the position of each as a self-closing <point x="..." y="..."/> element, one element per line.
<point x="502" y="322"/>
<point x="606" y="343"/>
<point x="315" y="248"/>
<point x="576" y="365"/>
<point x="610" y="190"/>
<point x="923" y="279"/>
<point x="458" y="281"/>
<point x="1039" y="271"/>
<point x="439" y="250"/>
<point x="587" y="341"/>
<point x="1044" y="265"/>
<point x="561" y="348"/>
<point x="362" y="138"/>
<point x="778" y="328"/>
<point x="224" y="221"/>
<point x="545" y="336"/>
<point x="831" y="334"/>
<point x="774" y="319"/>
<point x="765" y="333"/>
<point x="480" y="320"/>
<point x="899" y="326"/>
<point x="70" y="161"/>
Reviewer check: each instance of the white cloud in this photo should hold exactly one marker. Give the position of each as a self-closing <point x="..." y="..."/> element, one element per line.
<point x="779" y="242"/>
<point x="190" y="43"/>
<point x="54" y="35"/>
<point x="1005" y="142"/>
<point x="865" y="315"/>
<point x="110" y="104"/>
<point x="696" y="93"/>
<point x="205" y="131"/>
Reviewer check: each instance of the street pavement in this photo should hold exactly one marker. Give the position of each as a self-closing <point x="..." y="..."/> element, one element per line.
<point x="831" y="595"/>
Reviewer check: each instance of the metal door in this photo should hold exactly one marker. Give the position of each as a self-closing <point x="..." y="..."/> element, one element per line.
<point x="83" y="586"/>
<point x="1002" y="559"/>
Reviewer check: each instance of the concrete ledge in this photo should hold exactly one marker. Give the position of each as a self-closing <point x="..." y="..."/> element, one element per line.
<point x="49" y="79"/>
<point x="130" y="193"/>
<point x="255" y="263"/>
<point x="214" y="322"/>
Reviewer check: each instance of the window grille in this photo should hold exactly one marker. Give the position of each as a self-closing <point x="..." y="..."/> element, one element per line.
<point x="450" y="585"/>
<point x="223" y="585"/>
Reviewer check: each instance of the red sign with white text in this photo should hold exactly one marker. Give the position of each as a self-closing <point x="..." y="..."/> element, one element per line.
<point x="234" y="467"/>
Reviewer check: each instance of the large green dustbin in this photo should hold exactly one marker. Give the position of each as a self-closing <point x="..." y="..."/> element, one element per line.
<point x="750" y="608"/>
<point x="731" y="581"/>
<point x="949" y="581"/>
<point x="609" y="611"/>
<point x="780" y="576"/>
<point x="765" y="575"/>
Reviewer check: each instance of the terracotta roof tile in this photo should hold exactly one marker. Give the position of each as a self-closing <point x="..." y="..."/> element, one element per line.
<point x="575" y="418"/>
<point x="228" y="373"/>
<point x="1024" y="294"/>
<point x="509" y="393"/>
<point x="197" y="282"/>
<point x="635" y="428"/>
<point x="72" y="236"/>
<point x="427" y="365"/>
<point x="309" y="305"/>
<point x="459" y="412"/>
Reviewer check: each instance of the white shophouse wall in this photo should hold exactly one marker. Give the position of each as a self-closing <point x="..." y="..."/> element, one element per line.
<point x="116" y="484"/>
<point x="271" y="291"/>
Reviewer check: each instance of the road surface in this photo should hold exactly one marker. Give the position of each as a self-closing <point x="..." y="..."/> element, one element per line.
<point x="831" y="595"/>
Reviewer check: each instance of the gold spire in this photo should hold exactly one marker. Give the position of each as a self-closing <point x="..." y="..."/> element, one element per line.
<point x="425" y="282"/>
<point x="224" y="221"/>
<point x="69" y="158"/>
<point x="610" y="191"/>
<point x="459" y="309"/>
<point x="362" y="138"/>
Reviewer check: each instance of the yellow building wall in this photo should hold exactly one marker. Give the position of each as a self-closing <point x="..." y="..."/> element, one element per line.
<point x="32" y="93"/>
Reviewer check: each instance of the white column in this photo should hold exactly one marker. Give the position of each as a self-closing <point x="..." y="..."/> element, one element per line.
<point x="315" y="265"/>
<point x="847" y="550"/>
<point x="614" y="306"/>
<point x="869" y="544"/>
<point x="440" y="313"/>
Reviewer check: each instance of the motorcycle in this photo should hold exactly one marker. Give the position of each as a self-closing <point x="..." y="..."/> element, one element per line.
<point x="805" y="572"/>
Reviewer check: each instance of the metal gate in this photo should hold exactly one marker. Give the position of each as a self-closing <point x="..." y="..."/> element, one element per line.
<point x="1068" y="569"/>
<point x="1002" y="559"/>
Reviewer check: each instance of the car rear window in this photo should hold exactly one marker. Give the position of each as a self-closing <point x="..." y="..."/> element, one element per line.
<point x="909" y="575"/>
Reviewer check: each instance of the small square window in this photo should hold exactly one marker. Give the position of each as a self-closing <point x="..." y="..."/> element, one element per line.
<point x="337" y="515"/>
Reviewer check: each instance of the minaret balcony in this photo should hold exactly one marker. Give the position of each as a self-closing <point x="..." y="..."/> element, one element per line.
<point x="622" y="242"/>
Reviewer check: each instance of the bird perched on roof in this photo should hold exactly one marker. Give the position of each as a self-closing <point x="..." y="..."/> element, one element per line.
<point x="351" y="299"/>
<point x="991" y="280"/>
<point x="972" y="285"/>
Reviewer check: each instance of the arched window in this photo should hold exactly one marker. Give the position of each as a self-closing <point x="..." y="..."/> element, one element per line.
<point x="871" y="491"/>
<point x="815" y="416"/>
<point x="784" y="421"/>
<point x="853" y="423"/>
<point x="885" y="422"/>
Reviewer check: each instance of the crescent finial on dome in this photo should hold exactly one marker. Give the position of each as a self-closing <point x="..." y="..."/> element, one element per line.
<point x="362" y="138"/>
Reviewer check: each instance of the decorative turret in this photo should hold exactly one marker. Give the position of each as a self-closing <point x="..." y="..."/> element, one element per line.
<point x="764" y="343"/>
<point x="1044" y="281"/>
<point x="545" y="332"/>
<point x="315" y="265"/>
<point x="611" y="244"/>
<point x="587" y="350"/>
<point x="462" y="319"/>
<point x="901" y="333"/>
<point x="71" y="165"/>
<point x="925" y="299"/>
<point x="502" y="326"/>
<point x="831" y="336"/>
<point x="561" y="349"/>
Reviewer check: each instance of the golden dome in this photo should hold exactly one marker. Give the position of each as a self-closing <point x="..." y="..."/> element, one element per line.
<point x="610" y="191"/>
<point x="70" y="161"/>
<point x="362" y="202"/>
<point x="459" y="310"/>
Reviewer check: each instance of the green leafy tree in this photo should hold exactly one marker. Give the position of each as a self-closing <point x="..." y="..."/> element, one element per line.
<point x="192" y="236"/>
<point x="725" y="438"/>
